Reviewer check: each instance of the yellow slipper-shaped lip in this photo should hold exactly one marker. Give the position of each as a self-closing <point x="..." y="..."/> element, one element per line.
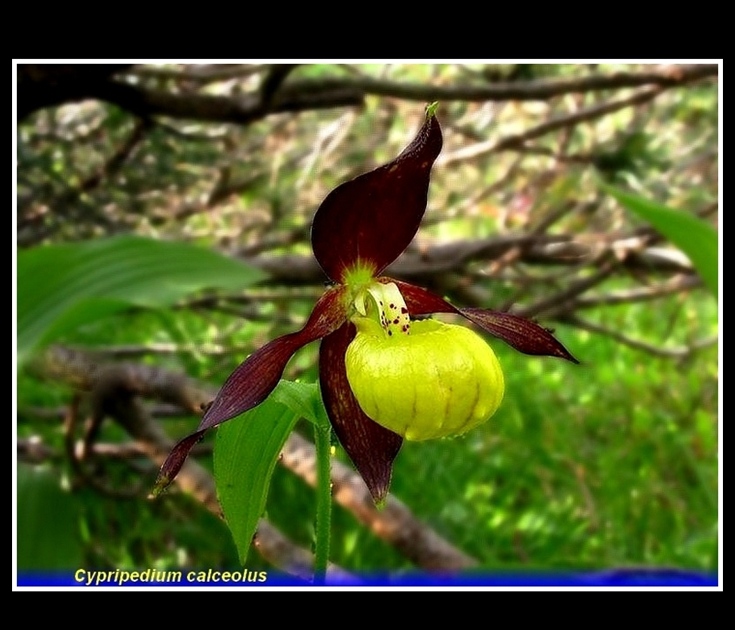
<point x="440" y="380"/>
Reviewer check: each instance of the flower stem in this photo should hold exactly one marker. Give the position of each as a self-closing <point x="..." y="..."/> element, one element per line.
<point x="322" y="434"/>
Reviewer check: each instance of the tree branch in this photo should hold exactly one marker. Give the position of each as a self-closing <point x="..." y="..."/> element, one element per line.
<point x="517" y="141"/>
<point x="540" y="89"/>
<point x="42" y="86"/>
<point x="678" y="352"/>
<point x="640" y="294"/>
<point x="395" y="524"/>
<point x="200" y="74"/>
<point x="422" y="266"/>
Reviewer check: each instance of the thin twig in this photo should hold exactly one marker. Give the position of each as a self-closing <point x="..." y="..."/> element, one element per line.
<point x="640" y="294"/>
<point x="679" y="352"/>
<point x="516" y="141"/>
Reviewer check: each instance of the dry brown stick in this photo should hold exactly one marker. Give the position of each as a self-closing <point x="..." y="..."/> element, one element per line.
<point x="117" y="388"/>
<point x="416" y="541"/>
<point x="420" y="267"/>
<point x="677" y="352"/>
<point x="676" y="284"/>
<point x="197" y="481"/>
<point x="516" y="252"/>
<point x="561" y="302"/>
<point x="115" y="162"/>
<point x="395" y="524"/>
<point x="35" y="449"/>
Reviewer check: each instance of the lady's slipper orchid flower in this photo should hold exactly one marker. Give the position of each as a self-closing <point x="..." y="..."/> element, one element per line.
<point x="383" y="376"/>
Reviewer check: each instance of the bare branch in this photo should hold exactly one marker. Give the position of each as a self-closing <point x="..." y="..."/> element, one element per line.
<point x="199" y="74"/>
<point x="640" y="294"/>
<point x="538" y="249"/>
<point x="35" y="450"/>
<point x="42" y="86"/>
<point x="395" y="524"/>
<point x="678" y="352"/>
<point x="516" y="141"/>
<point x="46" y="85"/>
<point x="242" y="110"/>
<point x="563" y="300"/>
<point x="541" y="89"/>
<point x="273" y="80"/>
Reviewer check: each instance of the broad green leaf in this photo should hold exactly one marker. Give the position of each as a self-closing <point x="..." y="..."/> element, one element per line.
<point x="61" y="287"/>
<point x="303" y="399"/>
<point x="48" y="536"/>
<point x="245" y="453"/>
<point x="695" y="237"/>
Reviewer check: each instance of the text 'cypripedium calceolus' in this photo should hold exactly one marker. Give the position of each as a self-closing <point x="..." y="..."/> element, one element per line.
<point x="383" y="375"/>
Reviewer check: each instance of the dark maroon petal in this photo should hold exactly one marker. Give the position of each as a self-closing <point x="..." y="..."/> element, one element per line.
<point x="374" y="217"/>
<point x="255" y="378"/>
<point x="175" y="461"/>
<point x="520" y="333"/>
<point x="371" y="447"/>
<point x="420" y="301"/>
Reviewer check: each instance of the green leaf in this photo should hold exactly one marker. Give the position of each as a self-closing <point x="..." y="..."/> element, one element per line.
<point x="245" y="453"/>
<point x="695" y="237"/>
<point x="62" y="287"/>
<point x="303" y="399"/>
<point x="48" y="536"/>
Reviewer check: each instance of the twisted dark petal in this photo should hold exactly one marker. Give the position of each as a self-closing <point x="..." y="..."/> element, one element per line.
<point x="420" y="301"/>
<point x="255" y="378"/>
<point x="520" y="333"/>
<point x="371" y="447"/>
<point x="374" y="217"/>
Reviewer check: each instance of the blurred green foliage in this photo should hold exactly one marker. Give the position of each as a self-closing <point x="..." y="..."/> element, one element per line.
<point x="63" y="287"/>
<point x="694" y="236"/>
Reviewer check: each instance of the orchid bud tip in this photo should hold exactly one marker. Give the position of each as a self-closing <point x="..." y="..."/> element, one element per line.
<point x="161" y="484"/>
